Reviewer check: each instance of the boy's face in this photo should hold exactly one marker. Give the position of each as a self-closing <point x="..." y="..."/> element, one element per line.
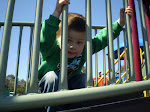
<point x="76" y="42"/>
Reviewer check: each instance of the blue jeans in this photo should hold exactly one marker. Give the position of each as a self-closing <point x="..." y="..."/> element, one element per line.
<point x="50" y="82"/>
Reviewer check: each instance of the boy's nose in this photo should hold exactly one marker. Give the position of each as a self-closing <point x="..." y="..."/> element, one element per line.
<point x="72" y="46"/>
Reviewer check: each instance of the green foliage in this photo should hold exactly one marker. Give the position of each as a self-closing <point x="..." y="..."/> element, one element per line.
<point x="9" y="84"/>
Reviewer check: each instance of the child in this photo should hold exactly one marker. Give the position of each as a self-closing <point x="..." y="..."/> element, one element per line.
<point x="50" y="48"/>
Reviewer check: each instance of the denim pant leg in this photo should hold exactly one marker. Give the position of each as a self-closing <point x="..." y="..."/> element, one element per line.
<point x="77" y="82"/>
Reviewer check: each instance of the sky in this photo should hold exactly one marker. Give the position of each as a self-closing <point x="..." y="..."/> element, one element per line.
<point x="24" y="11"/>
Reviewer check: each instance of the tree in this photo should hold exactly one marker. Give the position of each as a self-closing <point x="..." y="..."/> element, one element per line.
<point x="21" y="87"/>
<point x="9" y="84"/>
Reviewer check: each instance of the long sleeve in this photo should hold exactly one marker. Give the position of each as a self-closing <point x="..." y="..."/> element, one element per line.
<point x="99" y="42"/>
<point x="48" y="36"/>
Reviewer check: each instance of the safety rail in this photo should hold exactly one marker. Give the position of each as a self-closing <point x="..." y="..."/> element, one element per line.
<point x="65" y="96"/>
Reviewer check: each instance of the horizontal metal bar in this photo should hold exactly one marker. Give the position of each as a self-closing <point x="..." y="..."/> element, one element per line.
<point x="70" y="96"/>
<point x="97" y="27"/>
<point x="19" y="23"/>
<point x="15" y="23"/>
<point x="101" y="27"/>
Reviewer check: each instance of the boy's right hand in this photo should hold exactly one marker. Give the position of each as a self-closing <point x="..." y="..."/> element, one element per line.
<point x="59" y="5"/>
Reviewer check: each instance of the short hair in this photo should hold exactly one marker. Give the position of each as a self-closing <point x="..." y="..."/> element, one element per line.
<point x="75" y="22"/>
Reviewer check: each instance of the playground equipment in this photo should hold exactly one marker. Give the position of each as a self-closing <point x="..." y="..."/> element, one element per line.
<point x="116" y="94"/>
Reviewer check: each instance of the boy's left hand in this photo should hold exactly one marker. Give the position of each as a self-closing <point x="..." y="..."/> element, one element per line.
<point x="128" y="11"/>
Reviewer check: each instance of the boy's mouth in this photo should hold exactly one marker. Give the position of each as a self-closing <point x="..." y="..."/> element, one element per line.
<point x="71" y="52"/>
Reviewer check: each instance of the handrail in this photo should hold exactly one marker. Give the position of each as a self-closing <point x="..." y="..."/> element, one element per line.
<point x="63" y="97"/>
<point x="16" y="23"/>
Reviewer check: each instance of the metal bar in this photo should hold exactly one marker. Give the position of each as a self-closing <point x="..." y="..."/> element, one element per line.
<point x="146" y="4"/>
<point x="36" y="47"/>
<point x="89" y="82"/>
<point x="72" y="96"/>
<point x="135" y="42"/>
<point x="15" y="23"/>
<point x="63" y="83"/>
<point x="18" y="57"/>
<point x="119" y="65"/>
<point x="100" y="27"/>
<point x="31" y="24"/>
<point x="125" y="59"/>
<point x="5" y="45"/>
<point x="110" y="41"/>
<point x="0" y="41"/>
<point x="129" y="41"/>
<point x="104" y="67"/>
<point x="29" y="60"/>
<point x="40" y="60"/>
<point x="97" y="27"/>
<point x="145" y="38"/>
<point x="96" y="66"/>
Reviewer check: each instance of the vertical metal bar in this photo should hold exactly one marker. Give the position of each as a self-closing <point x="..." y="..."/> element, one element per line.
<point x="146" y="4"/>
<point x="0" y="42"/>
<point x="129" y="41"/>
<point x="29" y="60"/>
<point x="145" y="38"/>
<point x="119" y="60"/>
<point x="125" y="61"/>
<point x="135" y="42"/>
<point x="96" y="66"/>
<point x="110" y="41"/>
<point x="36" y="47"/>
<point x="18" y="57"/>
<point x="39" y="60"/>
<point x="89" y="44"/>
<point x="5" y="45"/>
<point x="104" y="67"/>
<point x="63" y="83"/>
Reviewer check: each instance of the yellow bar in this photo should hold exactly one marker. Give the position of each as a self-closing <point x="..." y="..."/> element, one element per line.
<point x="146" y="93"/>
<point x="141" y="56"/>
<point x="121" y="77"/>
<point x="122" y="54"/>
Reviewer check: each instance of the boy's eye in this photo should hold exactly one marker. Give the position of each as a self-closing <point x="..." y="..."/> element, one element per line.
<point x="69" y="40"/>
<point x="79" y="42"/>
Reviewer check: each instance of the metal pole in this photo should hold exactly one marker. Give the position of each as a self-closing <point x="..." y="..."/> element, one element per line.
<point x="89" y="44"/>
<point x="125" y="58"/>
<point x="119" y="66"/>
<point x="29" y="60"/>
<point x="63" y="83"/>
<point x="145" y="38"/>
<point x="36" y="47"/>
<point x="65" y="97"/>
<point x="96" y="66"/>
<point x="18" y="57"/>
<point x="130" y="48"/>
<point x="104" y="67"/>
<point x="146" y="4"/>
<point x="135" y="42"/>
<point x="5" y="45"/>
<point x="0" y="41"/>
<point x="110" y="43"/>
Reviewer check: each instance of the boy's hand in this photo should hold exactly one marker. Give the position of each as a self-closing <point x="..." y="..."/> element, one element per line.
<point x="59" y="5"/>
<point x="128" y="11"/>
